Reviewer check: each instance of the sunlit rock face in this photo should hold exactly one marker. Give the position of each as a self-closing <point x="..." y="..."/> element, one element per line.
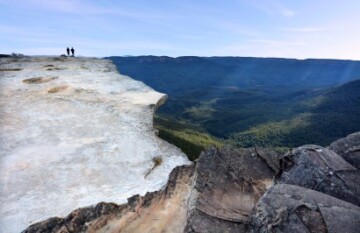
<point x="74" y="132"/>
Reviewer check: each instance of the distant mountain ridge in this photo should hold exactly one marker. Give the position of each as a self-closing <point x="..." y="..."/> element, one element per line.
<point x="248" y="101"/>
<point x="239" y="71"/>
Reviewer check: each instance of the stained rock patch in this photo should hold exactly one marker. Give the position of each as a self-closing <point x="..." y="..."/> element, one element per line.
<point x="38" y="80"/>
<point x="54" y="68"/>
<point x="10" y="69"/>
<point x="57" y="89"/>
<point x="47" y="66"/>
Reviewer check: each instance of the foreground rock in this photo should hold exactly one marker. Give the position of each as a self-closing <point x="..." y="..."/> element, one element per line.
<point x="215" y="195"/>
<point x="292" y="208"/>
<point x="316" y="191"/>
<point x="308" y="189"/>
<point x="229" y="183"/>
<point x="74" y="132"/>
<point x="162" y="211"/>
<point x="348" y="148"/>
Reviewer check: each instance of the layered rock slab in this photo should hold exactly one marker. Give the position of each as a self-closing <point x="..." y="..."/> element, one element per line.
<point x="74" y="132"/>
<point x="309" y="189"/>
<point x="160" y="211"/>
<point x="217" y="194"/>
<point x="228" y="185"/>
<point x="291" y="208"/>
<point x="316" y="190"/>
<point x="323" y="170"/>
<point x="348" y="148"/>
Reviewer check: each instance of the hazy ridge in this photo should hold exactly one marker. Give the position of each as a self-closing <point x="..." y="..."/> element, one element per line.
<point x="251" y="101"/>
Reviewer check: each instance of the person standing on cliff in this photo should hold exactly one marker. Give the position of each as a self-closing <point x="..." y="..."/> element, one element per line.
<point x="72" y="52"/>
<point x="68" y="51"/>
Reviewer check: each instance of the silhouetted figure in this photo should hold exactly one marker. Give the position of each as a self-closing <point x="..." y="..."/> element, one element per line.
<point x="68" y="51"/>
<point x="72" y="52"/>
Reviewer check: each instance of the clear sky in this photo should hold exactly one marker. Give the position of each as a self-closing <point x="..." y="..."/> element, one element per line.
<point x="259" y="28"/>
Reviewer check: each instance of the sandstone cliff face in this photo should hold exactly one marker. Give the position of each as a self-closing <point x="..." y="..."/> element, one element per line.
<point x="160" y="211"/>
<point x="215" y="195"/>
<point x="74" y="132"/>
<point x="308" y="189"/>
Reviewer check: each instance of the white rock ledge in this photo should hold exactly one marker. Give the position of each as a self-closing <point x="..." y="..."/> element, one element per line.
<point x="78" y="134"/>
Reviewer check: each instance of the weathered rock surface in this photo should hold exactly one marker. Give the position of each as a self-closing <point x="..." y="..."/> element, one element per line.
<point x="348" y="148"/>
<point x="229" y="183"/>
<point x="321" y="169"/>
<point x="291" y="208"/>
<point x="160" y="211"/>
<point x="74" y="132"/>
<point x="309" y="189"/>
<point x="316" y="191"/>
<point x="215" y="195"/>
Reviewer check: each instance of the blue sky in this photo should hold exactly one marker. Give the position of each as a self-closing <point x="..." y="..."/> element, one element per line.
<point x="259" y="28"/>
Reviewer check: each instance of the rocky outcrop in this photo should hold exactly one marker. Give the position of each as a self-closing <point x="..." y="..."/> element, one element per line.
<point x="292" y="208"/>
<point x="348" y="148"/>
<point x="74" y="132"/>
<point x="215" y="195"/>
<point x="316" y="191"/>
<point x="229" y="183"/>
<point x="321" y="169"/>
<point x="160" y="211"/>
<point x="308" y="189"/>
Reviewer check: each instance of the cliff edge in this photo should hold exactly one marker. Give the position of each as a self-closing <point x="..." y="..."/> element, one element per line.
<point x="74" y="132"/>
<point x="309" y="189"/>
<point x="77" y="139"/>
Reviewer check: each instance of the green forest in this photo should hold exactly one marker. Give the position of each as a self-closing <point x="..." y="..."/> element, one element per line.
<point x="264" y="102"/>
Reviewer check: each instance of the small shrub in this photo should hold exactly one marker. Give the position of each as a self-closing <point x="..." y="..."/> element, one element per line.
<point x="157" y="161"/>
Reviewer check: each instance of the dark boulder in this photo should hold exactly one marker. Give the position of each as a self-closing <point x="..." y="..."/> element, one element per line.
<point x="229" y="183"/>
<point x="316" y="190"/>
<point x="291" y="208"/>
<point x="348" y="148"/>
<point x="321" y="169"/>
